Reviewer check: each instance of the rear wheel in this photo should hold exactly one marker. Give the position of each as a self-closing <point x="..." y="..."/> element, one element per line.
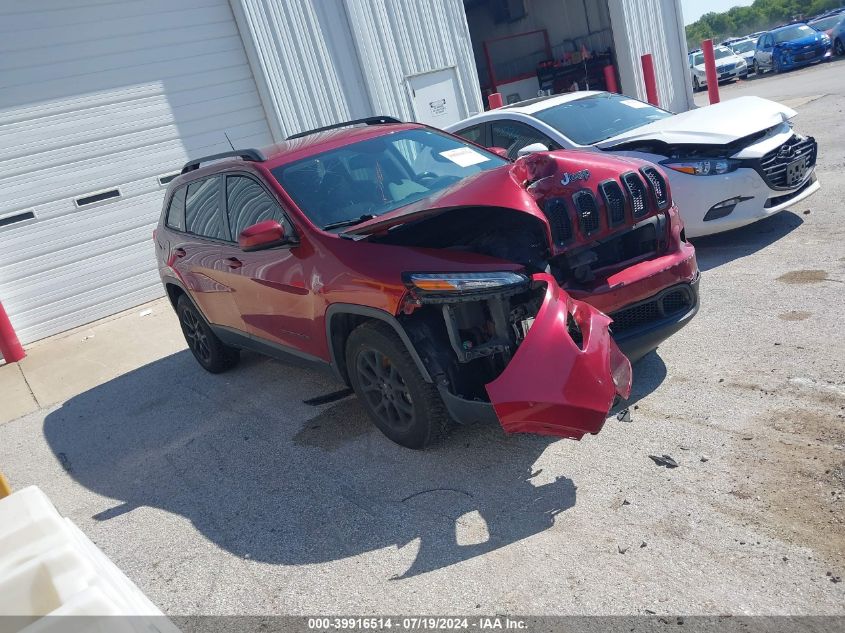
<point x="210" y="351"/>
<point x="404" y="407"/>
<point x="696" y="86"/>
<point x="776" y="67"/>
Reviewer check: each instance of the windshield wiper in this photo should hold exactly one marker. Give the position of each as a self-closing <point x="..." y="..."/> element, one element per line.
<point x="350" y="222"/>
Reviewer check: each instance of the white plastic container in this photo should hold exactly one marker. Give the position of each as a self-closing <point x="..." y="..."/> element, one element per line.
<point x="49" y="568"/>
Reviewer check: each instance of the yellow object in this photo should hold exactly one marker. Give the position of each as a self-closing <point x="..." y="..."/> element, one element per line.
<point x="5" y="488"/>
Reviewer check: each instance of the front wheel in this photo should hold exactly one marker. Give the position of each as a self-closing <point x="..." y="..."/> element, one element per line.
<point x="211" y="353"/>
<point x="696" y="86"/>
<point x="755" y="68"/>
<point x="406" y="408"/>
<point x="838" y="47"/>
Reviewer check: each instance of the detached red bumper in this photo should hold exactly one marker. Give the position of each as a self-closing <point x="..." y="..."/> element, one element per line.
<point x="553" y="386"/>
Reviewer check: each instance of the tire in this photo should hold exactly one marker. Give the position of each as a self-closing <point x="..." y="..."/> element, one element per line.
<point x="776" y="69"/>
<point x="696" y="86"/>
<point x="839" y="47"/>
<point x="211" y="353"/>
<point x="755" y="67"/>
<point x="406" y="408"/>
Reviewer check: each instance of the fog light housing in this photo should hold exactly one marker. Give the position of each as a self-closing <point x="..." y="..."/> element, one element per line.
<point x="723" y="208"/>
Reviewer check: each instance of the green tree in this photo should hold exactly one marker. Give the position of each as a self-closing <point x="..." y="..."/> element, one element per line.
<point x="761" y="15"/>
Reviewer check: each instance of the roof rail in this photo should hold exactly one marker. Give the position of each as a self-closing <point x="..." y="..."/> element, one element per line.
<point x="245" y="154"/>
<point x="372" y="120"/>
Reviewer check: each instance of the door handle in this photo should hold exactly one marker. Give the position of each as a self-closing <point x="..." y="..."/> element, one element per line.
<point x="234" y="262"/>
<point x="179" y="252"/>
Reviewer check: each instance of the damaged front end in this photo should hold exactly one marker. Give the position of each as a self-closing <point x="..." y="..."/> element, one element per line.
<point x="529" y="343"/>
<point x="517" y="349"/>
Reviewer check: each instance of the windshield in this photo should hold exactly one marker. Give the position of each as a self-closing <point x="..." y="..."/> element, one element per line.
<point x="723" y="51"/>
<point x="793" y="33"/>
<point x="363" y="180"/>
<point x="827" y="23"/>
<point x="598" y="117"/>
<point x="744" y="47"/>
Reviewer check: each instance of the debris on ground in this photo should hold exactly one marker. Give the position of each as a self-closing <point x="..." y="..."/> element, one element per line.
<point x="146" y="312"/>
<point x="625" y="502"/>
<point x="621" y="549"/>
<point x="624" y="415"/>
<point x="643" y="544"/>
<point x="705" y="458"/>
<point x="664" y="460"/>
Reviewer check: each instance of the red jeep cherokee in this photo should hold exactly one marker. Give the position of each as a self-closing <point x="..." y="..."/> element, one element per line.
<point x="440" y="281"/>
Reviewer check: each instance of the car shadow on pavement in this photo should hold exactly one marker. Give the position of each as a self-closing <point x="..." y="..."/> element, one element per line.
<point x="267" y="477"/>
<point x="714" y="250"/>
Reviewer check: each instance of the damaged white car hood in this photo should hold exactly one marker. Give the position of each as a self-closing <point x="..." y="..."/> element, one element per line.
<point x="718" y="124"/>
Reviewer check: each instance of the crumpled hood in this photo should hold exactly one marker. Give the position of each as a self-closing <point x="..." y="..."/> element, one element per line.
<point x="506" y="187"/>
<point x="501" y="187"/>
<point x="807" y="40"/>
<point x="717" y="124"/>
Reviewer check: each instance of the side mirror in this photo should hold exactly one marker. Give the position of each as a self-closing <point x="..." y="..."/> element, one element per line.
<point x="262" y="235"/>
<point x="501" y="151"/>
<point x="532" y="149"/>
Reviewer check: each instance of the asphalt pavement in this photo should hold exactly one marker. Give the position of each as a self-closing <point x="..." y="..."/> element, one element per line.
<point x="229" y="494"/>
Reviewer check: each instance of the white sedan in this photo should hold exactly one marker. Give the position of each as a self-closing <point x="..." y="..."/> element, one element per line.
<point x="728" y="164"/>
<point x="729" y="66"/>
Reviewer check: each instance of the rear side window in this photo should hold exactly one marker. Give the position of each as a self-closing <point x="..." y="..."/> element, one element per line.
<point x="513" y="136"/>
<point x="247" y="203"/>
<point x="202" y="209"/>
<point x="473" y="134"/>
<point x="176" y="210"/>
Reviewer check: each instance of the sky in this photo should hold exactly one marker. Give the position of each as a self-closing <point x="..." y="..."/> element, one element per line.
<point x="694" y="9"/>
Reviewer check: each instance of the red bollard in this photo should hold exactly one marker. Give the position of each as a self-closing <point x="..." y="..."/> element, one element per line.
<point x="650" y="79"/>
<point x="610" y="78"/>
<point x="710" y="71"/>
<point x="10" y="346"/>
<point x="495" y="100"/>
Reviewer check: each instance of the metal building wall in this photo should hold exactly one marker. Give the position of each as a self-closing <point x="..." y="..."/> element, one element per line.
<point x="397" y="39"/>
<point x="319" y="62"/>
<point x="656" y="27"/>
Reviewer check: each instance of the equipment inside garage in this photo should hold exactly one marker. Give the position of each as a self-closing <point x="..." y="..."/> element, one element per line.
<point x="524" y="48"/>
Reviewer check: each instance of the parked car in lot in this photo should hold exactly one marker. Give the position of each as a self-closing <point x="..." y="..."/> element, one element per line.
<point x="729" y="66"/>
<point x="826" y="24"/>
<point x="790" y="47"/>
<point x="745" y="48"/>
<point x="729" y="164"/>
<point x="837" y="36"/>
<point x="438" y="279"/>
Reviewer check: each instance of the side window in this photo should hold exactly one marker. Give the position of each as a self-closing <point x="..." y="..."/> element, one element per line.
<point x="474" y="134"/>
<point x="513" y="136"/>
<point x="202" y="209"/>
<point x="247" y="203"/>
<point x="176" y="211"/>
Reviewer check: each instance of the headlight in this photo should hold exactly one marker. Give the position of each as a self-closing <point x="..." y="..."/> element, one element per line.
<point x="703" y="167"/>
<point x="825" y="38"/>
<point x="440" y="283"/>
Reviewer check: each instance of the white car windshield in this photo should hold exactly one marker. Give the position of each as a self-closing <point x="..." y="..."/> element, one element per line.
<point x="793" y="33"/>
<point x="598" y="117"/>
<point x="720" y="52"/>
<point x="744" y="47"/>
<point x="359" y="181"/>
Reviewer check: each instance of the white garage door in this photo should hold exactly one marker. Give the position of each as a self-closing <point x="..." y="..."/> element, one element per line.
<point x="97" y="103"/>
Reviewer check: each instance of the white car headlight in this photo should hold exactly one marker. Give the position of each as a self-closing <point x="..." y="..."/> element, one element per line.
<point x="703" y="167"/>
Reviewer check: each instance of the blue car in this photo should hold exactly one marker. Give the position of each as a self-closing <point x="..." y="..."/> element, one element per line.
<point x="790" y="47"/>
